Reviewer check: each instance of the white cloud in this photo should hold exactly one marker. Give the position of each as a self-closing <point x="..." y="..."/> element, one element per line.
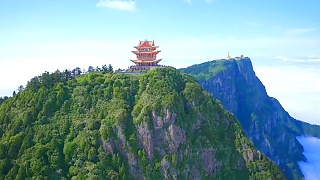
<point x="299" y="31"/>
<point x="311" y="168"/>
<point x="294" y="84"/>
<point x="282" y="58"/>
<point x="129" y="5"/>
<point x="307" y="59"/>
<point x="207" y="1"/>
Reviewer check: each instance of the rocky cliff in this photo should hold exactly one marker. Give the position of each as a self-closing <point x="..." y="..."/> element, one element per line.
<point x="160" y="125"/>
<point x="265" y="122"/>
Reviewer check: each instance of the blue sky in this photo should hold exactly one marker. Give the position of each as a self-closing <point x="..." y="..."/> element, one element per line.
<point x="281" y="37"/>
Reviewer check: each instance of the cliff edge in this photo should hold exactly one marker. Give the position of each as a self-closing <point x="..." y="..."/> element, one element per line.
<point x="272" y="130"/>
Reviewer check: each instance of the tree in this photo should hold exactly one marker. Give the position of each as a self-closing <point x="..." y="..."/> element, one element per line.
<point x="77" y="71"/>
<point x="46" y="79"/>
<point x="98" y="69"/>
<point x="104" y="69"/>
<point x="90" y="69"/>
<point x="14" y="93"/>
<point x="57" y="76"/>
<point x="34" y="83"/>
<point x="73" y="74"/>
<point x="110" y="68"/>
<point x="20" y="88"/>
<point x="2" y="99"/>
<point x="67" y="75"/>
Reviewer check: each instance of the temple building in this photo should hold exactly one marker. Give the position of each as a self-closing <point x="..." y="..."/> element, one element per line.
<point x="228" y="57"/>
<point x="235" y="58"/>
<point x="146" y="53"/>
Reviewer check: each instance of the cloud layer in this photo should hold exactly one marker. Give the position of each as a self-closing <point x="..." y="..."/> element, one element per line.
<point x="294" y="84"/>
<point x="311" y="168"/>
<point x="299" y="31"/>
<point x="129" y="5"/>
<point x="207" y="1"/>
<point x="310" y="58"/>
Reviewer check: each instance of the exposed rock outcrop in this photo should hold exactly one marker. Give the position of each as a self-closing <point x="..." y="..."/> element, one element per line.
<point x="108" y="146"/>
<point x="146" y="138"/>
<point x="209" y="162"/>
<point x="177" y="136"/>
<point x="266" y="123"/>
<point x="168" y="119"/>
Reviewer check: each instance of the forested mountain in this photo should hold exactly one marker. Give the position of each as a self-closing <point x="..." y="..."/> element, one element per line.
<point x="158" y="125"/>
<point x="272" y="130"/>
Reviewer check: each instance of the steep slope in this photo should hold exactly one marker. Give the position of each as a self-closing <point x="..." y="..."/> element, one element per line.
<point x="266" y="123"/>
<point x="158" y="125"/>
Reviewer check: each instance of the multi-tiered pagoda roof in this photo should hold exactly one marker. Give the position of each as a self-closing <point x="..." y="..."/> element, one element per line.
<point x="146" y="53"/>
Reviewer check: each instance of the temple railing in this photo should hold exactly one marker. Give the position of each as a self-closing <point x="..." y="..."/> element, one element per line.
<point x="137" y="67"/>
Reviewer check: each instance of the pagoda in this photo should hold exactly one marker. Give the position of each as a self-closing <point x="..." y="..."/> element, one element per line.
<point x="146" y="53"/>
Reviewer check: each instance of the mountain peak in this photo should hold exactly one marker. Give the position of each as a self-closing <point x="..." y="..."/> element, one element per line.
<point x="158" y="125"/>
<point x="265" y="122"/>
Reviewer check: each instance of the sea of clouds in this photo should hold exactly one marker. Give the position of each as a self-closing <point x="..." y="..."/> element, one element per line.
<point x="310" y="168"/>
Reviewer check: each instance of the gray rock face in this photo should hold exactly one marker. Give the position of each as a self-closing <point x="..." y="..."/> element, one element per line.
<point x="177" y="136"/>
<point x="165" y="167"/>
<point x="265" y="122"/>
<point x="197" y="125"/>
<point x="123" y="147"/>
<point x="209" y="162"/>
<point x="196" y="174"/>
<point x="248" y="155"/>
<point x="108" y="146"/>
<point x="164" y="135"/>
<point x="146" y="138"/>
<point x="168" y="119"/>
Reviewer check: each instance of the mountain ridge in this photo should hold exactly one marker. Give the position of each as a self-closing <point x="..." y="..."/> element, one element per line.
<point x="266" y="123"/>
<point x="161" y="124"/>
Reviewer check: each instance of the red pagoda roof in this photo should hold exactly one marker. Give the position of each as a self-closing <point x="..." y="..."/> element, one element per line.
<point x="145" y="44"/>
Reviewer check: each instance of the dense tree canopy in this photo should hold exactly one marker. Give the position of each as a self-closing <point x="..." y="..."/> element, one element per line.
<point x="88" y="126"/>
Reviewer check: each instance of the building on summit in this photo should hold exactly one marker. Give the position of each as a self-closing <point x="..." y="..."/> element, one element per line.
<point x="146" y="53"/>
<point x="235" y="58"/>
<point x="228" y="57"/>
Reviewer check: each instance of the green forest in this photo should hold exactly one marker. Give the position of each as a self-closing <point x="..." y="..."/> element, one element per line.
<point x="103" y="125"/>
